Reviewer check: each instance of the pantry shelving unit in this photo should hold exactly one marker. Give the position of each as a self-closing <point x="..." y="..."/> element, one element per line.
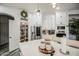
<point x="24" y="30"/>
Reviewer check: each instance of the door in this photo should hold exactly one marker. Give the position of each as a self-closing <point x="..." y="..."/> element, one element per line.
<point x="12" y="36"/>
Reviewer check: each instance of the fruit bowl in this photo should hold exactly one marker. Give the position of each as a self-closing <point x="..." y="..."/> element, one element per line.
<point x="47" y="50"/>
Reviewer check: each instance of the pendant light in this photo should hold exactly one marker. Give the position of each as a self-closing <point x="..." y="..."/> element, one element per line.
<point x="54" y="5"/>
<point x="38" y="10"/>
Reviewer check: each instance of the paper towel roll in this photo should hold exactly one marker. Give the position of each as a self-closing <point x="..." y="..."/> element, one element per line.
<point x="63" y="44"/>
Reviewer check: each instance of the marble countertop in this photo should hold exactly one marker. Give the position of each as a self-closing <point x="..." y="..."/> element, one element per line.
<point x="31" y="49"/>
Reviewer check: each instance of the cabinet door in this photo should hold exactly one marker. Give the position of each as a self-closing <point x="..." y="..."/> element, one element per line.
<point x="58" y="18"/>
<point x="61" y="18"/>
<point x="64" y="18"/>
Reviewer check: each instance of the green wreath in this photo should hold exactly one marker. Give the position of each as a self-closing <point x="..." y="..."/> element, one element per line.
<point x="24" y="14"/>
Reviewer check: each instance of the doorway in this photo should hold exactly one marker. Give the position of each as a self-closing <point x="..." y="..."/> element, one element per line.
<point x="74" y="27"/>
<point x="4" y="34"/>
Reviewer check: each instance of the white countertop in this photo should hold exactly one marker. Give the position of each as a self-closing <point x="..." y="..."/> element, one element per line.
<point x="31" y="49"/>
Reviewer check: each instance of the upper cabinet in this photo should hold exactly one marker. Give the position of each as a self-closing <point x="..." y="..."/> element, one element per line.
<point x="35" y="20"/>
<point x="61" y="18"/>
<point x="48" y="21"/>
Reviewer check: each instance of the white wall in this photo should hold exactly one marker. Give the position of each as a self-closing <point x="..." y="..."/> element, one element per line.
<point x="73" y="12"/>
<point x="76" y="17"/>
<point x="16" y="14"/>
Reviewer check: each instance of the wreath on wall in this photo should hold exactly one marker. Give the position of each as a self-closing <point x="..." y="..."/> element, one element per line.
<point x="24" y="14"/>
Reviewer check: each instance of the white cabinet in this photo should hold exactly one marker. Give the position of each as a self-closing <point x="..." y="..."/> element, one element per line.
<point x="61" y="18"/>
<point x="48" y="22"/>
<point x="35" y="19"/>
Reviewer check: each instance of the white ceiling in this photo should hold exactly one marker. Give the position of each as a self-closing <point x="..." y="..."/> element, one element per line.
<point x="44" y="7"/>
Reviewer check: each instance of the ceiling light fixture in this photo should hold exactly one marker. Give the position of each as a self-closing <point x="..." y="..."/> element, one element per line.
<point x="37" y="10"/>
<point x="54" y="5"/>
